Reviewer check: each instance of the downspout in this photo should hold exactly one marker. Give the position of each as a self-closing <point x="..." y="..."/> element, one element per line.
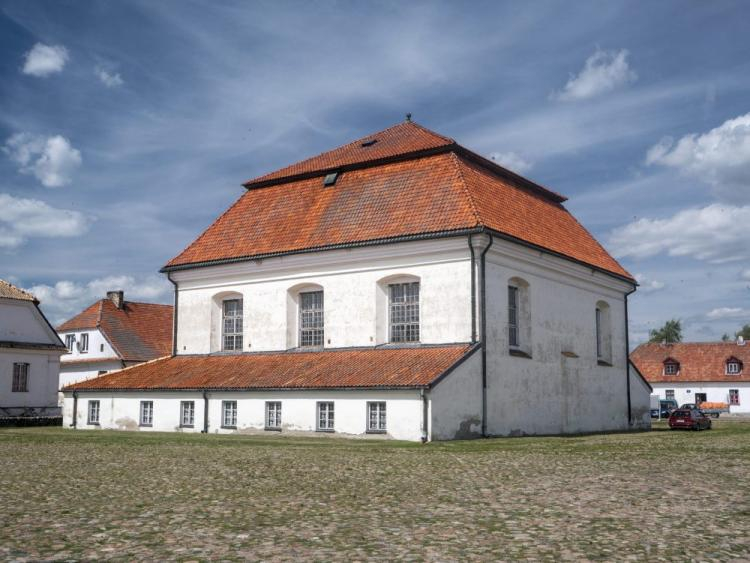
<point x="174" y="315"/>
<point x="205" y="412"/>
<point x="75" y="409"/>
<point x="473" y="294"/>
<point x="483" y="306"/>
<point x="425" y="417"/>
<point x="627" y="356"/>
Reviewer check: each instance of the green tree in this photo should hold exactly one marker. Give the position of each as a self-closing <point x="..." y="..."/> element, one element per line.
<point x="670" y="333"/>
<point x="725" y="337"/>
<point x="744" y="332"/>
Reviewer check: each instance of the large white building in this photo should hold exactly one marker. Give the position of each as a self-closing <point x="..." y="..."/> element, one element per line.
<point x="698" y="372"/>
<point x="29" y="356"/>
<point x="398" y="285"/>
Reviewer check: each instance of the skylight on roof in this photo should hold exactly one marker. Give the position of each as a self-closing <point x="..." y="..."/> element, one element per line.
<point x="369" y="142"/>
<point x="330" y="179"/>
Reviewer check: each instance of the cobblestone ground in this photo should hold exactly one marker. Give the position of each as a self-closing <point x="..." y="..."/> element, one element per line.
<point x="661" y="495"/>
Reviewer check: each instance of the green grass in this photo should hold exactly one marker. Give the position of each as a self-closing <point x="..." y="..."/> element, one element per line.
<point x="68" y="494"/>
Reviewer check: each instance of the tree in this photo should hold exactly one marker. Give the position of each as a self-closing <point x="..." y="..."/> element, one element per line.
<point x="725" y="337"/>
<point x="670" y="333"/>
<point x="744" y="332"/>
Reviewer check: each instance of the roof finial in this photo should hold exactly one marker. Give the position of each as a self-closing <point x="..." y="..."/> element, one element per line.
<point x="408" y="117"/>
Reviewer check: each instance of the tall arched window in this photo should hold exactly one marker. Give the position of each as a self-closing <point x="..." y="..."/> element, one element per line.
<point x="603" y="333"/>
<point x="305" y="316"/>
<point x="231" y="322"/>
<point x="398" y="309"/>
<point x="519" y="317"/>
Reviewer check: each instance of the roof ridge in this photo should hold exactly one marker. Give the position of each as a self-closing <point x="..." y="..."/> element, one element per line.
<point x="462" y="180"/>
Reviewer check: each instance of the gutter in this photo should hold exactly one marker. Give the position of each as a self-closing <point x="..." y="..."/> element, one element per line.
<point x="473" y="294"/>
<point x="425" y="417"/>
<point x="483" y="306"/>
<point x="205" y="413"/>
<point x="174" y="315"/>
<point x="627" y="356"/>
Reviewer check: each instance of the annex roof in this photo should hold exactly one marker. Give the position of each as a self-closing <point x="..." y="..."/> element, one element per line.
<point x="699" y="361"/>
<point x="137" y="332"/>
<point x="411" y="183"/>
<point x="10" y="291"/>
<point x="354" y="368"/>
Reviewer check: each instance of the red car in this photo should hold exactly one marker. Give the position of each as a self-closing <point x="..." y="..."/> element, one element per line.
<point x="690" y="419"/>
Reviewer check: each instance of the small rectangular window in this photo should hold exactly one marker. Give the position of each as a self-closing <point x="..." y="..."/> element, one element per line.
<point x="93" y="412"/>
<point x="669" y="394"/>
<point x="147" y="413"/>
<point x="404" y="312"/>
<point x="273" y="415"/>
<point x="734" y="396"/>
<point x="232" y="324"/>
<point x="187" y="414"/>
<point x="513" y="337"/>
<point x="311" y="318"/>
<point x="20" y="378"/>
<point x="83" y="344"/>
<point x="229" y="414"/>
<point x="733" y="368"/>
<point x="671" y="368"/>
<point x="70" y="340"/>
<point x="325" y="417"/>
<point x="376" y="417"/>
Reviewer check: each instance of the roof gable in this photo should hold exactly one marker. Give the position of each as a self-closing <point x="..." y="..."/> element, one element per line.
<point x="698" y="361"/>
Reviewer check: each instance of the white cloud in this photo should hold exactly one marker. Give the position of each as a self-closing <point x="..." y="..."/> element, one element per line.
<point x="51" y="159"/>
<point x="720" y="157"/>
<point x="21" y="219"/>
<point x="512" y="161"/>
<point x="603" y="72"/>
<point x="728" y="313"/>
<point x="648" y="285"/>
<point x="66" y="298"/>
<point x="109" y="79"/>
<point x="745" y="275"/>
<point x="716" y="233"/>
<point x="44" y="60"/>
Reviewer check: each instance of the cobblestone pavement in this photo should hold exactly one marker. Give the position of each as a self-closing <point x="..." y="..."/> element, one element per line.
<point x="661" y="495"/>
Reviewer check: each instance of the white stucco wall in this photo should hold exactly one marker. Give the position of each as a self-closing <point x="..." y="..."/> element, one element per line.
<point x="716" y="392"/>
<point x="561" y="388"/>
<point x="21" y="321"/>
<point x="640" y="400"/>
<point x="99" y="346"/>
<point x="456" y="402"/>
<point x="44" y="367"/>
<point x="121" y="411"/>
<point x="354" y="313"/>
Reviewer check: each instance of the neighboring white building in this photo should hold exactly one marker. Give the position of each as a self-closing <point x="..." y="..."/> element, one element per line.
<point x="698" y="372"/>
<point x="29" y="356"/>
<point x="399" y="285"/>
<point x="112" y="334"/>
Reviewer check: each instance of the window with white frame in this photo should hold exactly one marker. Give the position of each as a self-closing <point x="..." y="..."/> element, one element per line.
<point x="83" y="343"/>
<point x="734" y="366"/>
<point x="70" y="340"/>
<point x="20" y="378"/>
<point x="229" y="414"/>
<point x="376" y="416"/>
<point x="187" y="414"/>
<point x="734" y="396"/>
<point x="93" y="412"/>
<point x="147" y="413"/>
<point x="669" y="394"/>
<point x="273" y="415"/>
<point x="671" y="367"/>
<point x="404" y="312"/>
<point x="325" y="417"/>
<point x="311" y="329"/>
<point x="232" y="324"/>
<point x="514" y="339"/>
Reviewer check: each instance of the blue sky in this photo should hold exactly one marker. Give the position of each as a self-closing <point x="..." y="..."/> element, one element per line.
<point x="127" y="127"/>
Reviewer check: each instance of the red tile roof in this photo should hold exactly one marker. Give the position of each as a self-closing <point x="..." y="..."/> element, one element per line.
<point x="137" y="332"/>
<point x="423" y="193"/>
<point x="328" y="369"/>
<point x="699" y="361"/>
<point x="10" y="291"/>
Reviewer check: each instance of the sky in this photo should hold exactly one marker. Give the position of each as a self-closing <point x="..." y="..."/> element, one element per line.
<point x="126" y="128"/>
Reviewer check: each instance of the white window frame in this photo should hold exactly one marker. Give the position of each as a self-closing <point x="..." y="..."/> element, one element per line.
<point x="20" y="383"/>
<point x="311" y="321"/>
<point x="229" y="414"/>
<point x="405" y="309"/>
<point x="94" y="411"/>
<point x="326" y="416"/>
<point x="146" y="414"/>
<point x="84" y="343"/>
<point x="187" y="414"/>
<point x="232" y="341"/>
<point x="273" y="415"/>
<point x="70" y="340"/>
<point x="377" y="417"/>
<point x="736" y="368"/>
<point x="671" y="364"/>
<point x="736" y="394"/>
<point x="669" y="394"/>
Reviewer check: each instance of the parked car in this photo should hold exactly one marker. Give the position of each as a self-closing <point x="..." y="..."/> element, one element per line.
<point x="689" y="419"/>
<point x="666" y="406"/>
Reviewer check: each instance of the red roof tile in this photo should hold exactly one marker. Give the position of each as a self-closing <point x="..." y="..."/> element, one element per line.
<point x="329" y="369"/>
<point x="137" y="332"/>
<point x="424" y="194"/>
<point x="699" y="361"/>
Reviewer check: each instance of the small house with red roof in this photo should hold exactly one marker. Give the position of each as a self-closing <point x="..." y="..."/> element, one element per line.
<point x="698" y="372"/>
<point x="111" y="334"/>
<point x="399" y="285"/>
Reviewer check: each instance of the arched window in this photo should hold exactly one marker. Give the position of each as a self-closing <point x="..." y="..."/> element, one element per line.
<point x="227" y="322"/>
<point x="398" y="309"/>
<point x="519" y="316"/>
<point x="734" y="366"/>
<point x="305" y="316"/>
<point x="671" y="367"/>
<point x="603" y="333"/>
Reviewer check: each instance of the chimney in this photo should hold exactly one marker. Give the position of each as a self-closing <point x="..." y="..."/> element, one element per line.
<point x="117" y="297"/>
<point x="740" y="340"/>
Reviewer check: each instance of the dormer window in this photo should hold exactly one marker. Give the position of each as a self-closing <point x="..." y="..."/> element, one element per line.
<point x="734" y="366"/>
<point x="671" y="367"/>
